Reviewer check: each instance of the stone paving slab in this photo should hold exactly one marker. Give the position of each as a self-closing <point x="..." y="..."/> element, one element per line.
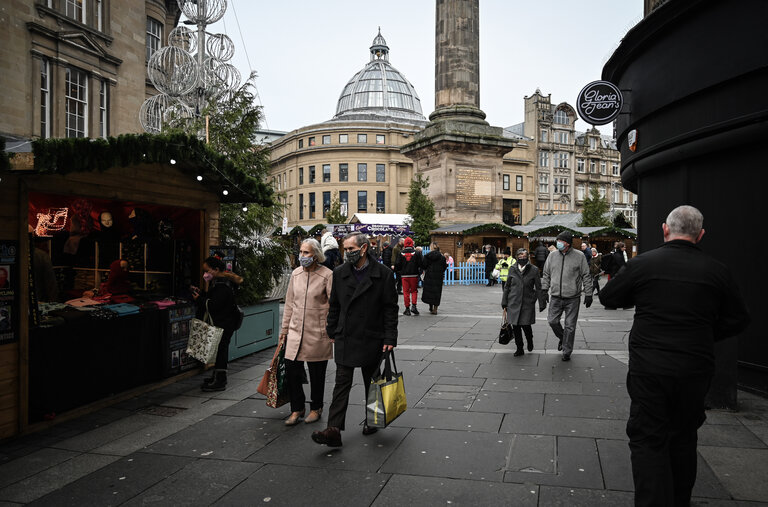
<point x="550" y="496"/>
<point x="426" y="418"/>
<point x="741" y="471"/>
<point x="290" y="486"/>
<point x="502" y="402"/>
<point x="32" y="464"/>
<point x="115" y="483"/>
<point x="597" y="407"/>
<point x="220" y="437"/>
<point x="532" y="386"/>
<point x="55" y="477"/>
<point x="433" y="491"/>
<point x="201" y="482"/>
<point x="527" y="423"/>
<point x="576" y="462"/>
<point x="451" y="454"/>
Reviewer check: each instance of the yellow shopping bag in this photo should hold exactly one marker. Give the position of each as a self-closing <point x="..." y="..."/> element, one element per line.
<point x="386" y="395"/>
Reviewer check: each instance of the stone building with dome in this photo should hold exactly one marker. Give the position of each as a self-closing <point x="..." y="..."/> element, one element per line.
<point x="357" y="152"/>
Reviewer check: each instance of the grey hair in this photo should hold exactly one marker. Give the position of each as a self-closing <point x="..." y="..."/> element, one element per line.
<point x="435" y="247"/>
<point x="360" y="239"/>
<point x="685" y="221"/>
<point x="316" y="249"/>
<point x="520" y="251"/>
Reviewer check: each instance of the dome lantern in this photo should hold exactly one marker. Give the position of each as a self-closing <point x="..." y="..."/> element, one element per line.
<point x="379" y="48"/>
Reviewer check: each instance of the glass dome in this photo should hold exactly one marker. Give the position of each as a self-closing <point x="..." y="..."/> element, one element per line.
<point x="379" y="91"/>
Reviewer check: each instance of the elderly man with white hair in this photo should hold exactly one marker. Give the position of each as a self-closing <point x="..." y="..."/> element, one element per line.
<point x="686" y="301"/>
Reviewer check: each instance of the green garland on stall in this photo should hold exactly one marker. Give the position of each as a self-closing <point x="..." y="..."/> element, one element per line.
<point x="500" y="227"/>
<point x="297" y="231"/>
<point x="315" y="230"/>
<point x="613" y="230"/>
<point x="193" y="156"/>
<point x="5" y="159"/>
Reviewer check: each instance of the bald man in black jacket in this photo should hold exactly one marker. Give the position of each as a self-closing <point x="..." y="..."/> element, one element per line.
<point x="686" y="300"/>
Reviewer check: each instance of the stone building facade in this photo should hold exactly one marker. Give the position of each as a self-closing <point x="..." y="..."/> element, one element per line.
<point x="568" y="162"/>
<point x="77" y="68"/>
<point x="356" y="155"/>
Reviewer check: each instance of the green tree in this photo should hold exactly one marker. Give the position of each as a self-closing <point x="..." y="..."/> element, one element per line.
<point x="422" y="210"/>
<point x="620" y="220"/>
<point x="233" y="123"/>
<point x="594" y="209"/>
<point x="334" y="216"/>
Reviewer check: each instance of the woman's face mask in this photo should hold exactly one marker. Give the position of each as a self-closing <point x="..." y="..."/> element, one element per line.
<point x="522" y="261"/>
<point x="560" y="245"/>
<point x="306" y="261"/>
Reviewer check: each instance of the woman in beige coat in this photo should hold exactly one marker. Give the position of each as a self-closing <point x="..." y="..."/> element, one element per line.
<point x="303" y="329"/>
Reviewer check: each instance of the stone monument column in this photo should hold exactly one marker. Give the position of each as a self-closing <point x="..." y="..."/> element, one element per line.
<point x="458" y="151"/>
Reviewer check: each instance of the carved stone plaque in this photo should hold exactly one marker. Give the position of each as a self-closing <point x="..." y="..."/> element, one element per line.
<point x="474" y="188"/>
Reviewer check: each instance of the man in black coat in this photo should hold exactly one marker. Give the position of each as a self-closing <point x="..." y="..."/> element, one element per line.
<point x="540" y="254"/>
<point x="490" y="265"/>
<point x="686" y="300"/>
<point x="386" y="254"/>
<point x="362" y="323"/>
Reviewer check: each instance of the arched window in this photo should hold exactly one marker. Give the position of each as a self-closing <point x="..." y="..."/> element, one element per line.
<point x="561" y="117"/>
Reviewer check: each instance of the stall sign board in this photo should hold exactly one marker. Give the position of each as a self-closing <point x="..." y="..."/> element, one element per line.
<point x="9" y="291"/>
<point x="599" y="102"/>
<point x="382" y="229"/>
<point x="179" y="318"/>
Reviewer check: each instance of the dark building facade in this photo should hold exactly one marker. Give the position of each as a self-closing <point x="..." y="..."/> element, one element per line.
<point x="695" y="76"/>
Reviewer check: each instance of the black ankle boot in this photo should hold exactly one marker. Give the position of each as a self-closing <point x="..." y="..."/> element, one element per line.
<point x="530" y="343"/>
<point x="219" y="381"/>
<point x="414" y="310"/>
<point x="209" y="380"/>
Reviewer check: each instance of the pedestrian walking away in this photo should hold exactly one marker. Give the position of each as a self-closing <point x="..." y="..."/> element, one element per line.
<point x="490" y="264"/>
<point x="395" y="252"/>
<point x="408" y="266"/>
<point x="331" y="252"/>
<point x="434" y="270"/>
<point x="362" y="324"/>
<point x="685" y="301"/>
<point x="566" y="276"/>
<point x="303" y="331"/>
<point x="522" y="290"/>
<point x="219" y="301"/>
<point x="540" y="254"/>
<point x="595" y="264"/>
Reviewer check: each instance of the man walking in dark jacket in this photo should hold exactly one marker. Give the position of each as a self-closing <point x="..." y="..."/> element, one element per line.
<point x="386" y="255"/>
<point x="362" y="323"/>
<point x="540" y="254"/>
<point x="685" y="301"/>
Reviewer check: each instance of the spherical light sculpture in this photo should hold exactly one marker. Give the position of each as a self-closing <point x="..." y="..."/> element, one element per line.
<point x="203" y="11"/>
<point x="173" y="71"/>
<point x="220" y="46"/>
<point x="184" y="38"/>
<point x="158" y="110"/>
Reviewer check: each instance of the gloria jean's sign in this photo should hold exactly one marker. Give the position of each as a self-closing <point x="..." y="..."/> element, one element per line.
<point x="599" y="102"/>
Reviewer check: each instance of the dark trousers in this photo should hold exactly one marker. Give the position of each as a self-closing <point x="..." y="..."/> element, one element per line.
<point x="596" y="284"/>
<point x="399" y="283"/>
<point x="337" y="413"/>
<point x="517" y="332"/>
<point x="295" y="374"/>
<point x="222" y="353"/>
<point x="664" y="416"/>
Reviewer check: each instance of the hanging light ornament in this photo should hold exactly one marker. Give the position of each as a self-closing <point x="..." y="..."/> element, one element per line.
<point x="191" y="71"/>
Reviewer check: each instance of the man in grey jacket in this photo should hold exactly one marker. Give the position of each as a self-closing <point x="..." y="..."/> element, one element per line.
<point x="566" y="276"/>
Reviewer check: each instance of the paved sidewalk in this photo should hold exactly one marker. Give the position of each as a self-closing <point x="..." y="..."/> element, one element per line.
<point x="483" y="428"/>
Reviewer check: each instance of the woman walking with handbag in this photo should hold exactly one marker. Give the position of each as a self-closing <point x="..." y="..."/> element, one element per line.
<point x="434" y="269"/>
<point x="303" y="331"/>
<point x="219" y="302"/>
<point x="521" y="291"/>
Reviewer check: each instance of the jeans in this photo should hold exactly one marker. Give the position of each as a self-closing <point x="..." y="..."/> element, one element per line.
<point x="222" y="353"/>
<point x="337" y="413"/>
<point x="664" y="416"/>
<point x="569" y="306"/>
<point x="295" y="374"/>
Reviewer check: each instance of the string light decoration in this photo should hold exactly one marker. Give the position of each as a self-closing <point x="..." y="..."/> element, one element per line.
<point x="191" y="72"/>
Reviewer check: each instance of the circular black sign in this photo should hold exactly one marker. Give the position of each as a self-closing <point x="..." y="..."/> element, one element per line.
<point x="599" y="102"/>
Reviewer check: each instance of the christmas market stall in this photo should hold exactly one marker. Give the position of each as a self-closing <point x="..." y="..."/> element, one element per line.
<point x="465" y="241"/>
<point x="100" y="241"/>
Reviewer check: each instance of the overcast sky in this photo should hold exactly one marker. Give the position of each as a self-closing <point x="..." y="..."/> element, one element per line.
<point x="305" y="51"/>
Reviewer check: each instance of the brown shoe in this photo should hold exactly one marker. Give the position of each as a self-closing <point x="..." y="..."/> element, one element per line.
<point x="330" y="436"/>
<point x="293" y="420"/>
<point x="314" y="416"/>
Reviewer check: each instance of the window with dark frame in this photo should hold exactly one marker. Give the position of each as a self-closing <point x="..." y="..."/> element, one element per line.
<point x="76" y="103"/>
<point x="344" y="202"/>
<point x="301" y="206"/>
<point x="104" y="108"/>
<point x="311" y="141"/>
<point x="362" y="138"/>
<point x="301" y="175"/>
<point x="327" y="139"/>
<point x="311" y="174"/>
<point x="380" y="139"/>
<point x="505" y="182"/>
<point x="380" y="201"/>
<point x="362" y="201"/>
<point x="45" y="98"/>
<point x="75" y="9"/>
<point x="343" y="138"/>
<point x="326" y="203"/>
<point x="362" y="172"/>
<point x="343" y="172"/>
<point x="301" y="143"/>
<point x="519" y="183"/>
<point x="311" y="205"/>
<point x="381" y="173"/>
<point x="326" y="173"/>
<point x="154" y="36"/>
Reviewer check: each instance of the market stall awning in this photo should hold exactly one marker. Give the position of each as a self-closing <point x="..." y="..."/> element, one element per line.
<point x="478" y="228"/>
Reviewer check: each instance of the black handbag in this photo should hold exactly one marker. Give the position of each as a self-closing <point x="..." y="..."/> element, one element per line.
<point x="505" y="333"/>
